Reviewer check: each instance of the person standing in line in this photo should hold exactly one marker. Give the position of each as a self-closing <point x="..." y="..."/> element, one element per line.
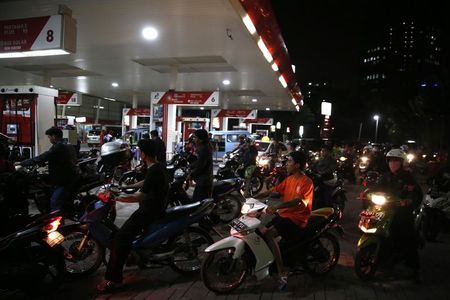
<point x="161" y="147"/>
<point x="202" y="168"/>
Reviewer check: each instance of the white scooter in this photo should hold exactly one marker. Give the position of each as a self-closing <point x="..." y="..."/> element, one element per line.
<point x="231" y="259"/>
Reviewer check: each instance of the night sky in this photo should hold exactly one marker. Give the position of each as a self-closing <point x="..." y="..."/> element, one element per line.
<point x="325" y="38"/>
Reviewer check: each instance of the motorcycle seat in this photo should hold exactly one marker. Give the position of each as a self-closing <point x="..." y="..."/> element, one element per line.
<point x="176" y="212"/>
<point x="322" y="212"/>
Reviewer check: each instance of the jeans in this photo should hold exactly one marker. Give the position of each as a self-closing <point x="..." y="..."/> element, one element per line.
<point x="61" y="197"/>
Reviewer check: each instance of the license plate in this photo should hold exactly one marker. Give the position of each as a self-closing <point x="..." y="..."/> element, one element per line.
<point x="371" y="214"/>
<point x="238" y="225"/>
<point x="54" y="238"/>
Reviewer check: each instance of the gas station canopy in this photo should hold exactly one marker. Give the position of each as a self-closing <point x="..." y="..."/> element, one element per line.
<point x="193" y="45"/>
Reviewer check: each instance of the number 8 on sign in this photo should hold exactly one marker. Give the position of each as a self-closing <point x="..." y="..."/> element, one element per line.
<point x="50" y="36"/>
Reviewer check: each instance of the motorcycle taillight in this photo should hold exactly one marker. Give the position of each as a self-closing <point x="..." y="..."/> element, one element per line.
<point x="52" y="226"/>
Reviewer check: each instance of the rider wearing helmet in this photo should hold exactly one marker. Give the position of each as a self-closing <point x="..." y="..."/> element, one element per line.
<point x="402" y="184"/>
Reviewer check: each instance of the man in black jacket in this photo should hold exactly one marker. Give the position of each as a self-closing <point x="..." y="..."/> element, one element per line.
<point x="160" y="147"/>
<point x="62" y="170"/>
<point x="202" y="168"/>
<point x="401" y="183"/>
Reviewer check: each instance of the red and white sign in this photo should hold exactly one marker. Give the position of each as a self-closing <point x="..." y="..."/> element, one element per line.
<point x="234" y="113"/>
<point x="186" y="98"/>
<point x="259" y="121"/>
<point x="68" y="98"/>
<point x="143" y="112"/>
<point x="40" y="33"/>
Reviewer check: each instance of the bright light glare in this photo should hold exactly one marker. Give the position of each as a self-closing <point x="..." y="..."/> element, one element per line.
<point x="226" y="82"/>
<point x="294" y="101"/>
<point x="378" y="199"/>
<point x="410" y="157"/>
<point x="283" y="81"/>
<point x="115" y="84"/>
<point x="254" y="100"/>
<point x="376" y="117"/>
<point x="293" y="68"/>
<point x="275" y="67"/>
<point x="81" y="77"/>
<point x="264" y="50"/>
<point x="364" y="159"/>
<point x="249" y="24"/>
<point x="34" y="53"/>
<point x="267" y="108"/>
<point x="202" y="108"/>
<point x="149" y="33"/>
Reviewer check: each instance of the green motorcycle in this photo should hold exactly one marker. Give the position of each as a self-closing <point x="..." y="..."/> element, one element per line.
<point x="376" y="247"/>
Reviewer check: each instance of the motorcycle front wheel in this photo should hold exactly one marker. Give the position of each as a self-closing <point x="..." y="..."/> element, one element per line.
<point x="366" y="262"/>
<point x="189" y="250"/>
<point x="322" y="254"/>
<point x="221" y="273"/>
<point x="227" y="208"/>
<point x="83" y="254"/>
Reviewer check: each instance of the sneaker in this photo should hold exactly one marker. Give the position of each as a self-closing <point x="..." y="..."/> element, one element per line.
<point x="108" y="286"/>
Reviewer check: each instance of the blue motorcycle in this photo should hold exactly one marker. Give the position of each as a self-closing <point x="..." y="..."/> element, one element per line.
<point x="173" y="240"/>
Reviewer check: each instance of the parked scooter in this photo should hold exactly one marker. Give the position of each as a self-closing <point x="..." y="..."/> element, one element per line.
<point x="172" y="240"/>
<point x="30" y="258"/>
<point x="376" y="247"/>
<point x="244" y="252"/>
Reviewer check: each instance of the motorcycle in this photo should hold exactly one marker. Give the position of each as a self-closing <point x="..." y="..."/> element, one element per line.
<point x="345" y="168"/>
<point x="171" y="240"/>
<point x="230" y="260"/>
<point x="31" y="259"/>
<point x="437" y="213"/>
<point x="376" y="247"/>
<point x="277" y="174"/>
<point x="332" y="185"/>
<point x="232" y="168"/>
<point x="226" y="194"/>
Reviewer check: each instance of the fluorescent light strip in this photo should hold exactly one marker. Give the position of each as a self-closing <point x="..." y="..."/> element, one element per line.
<point x="264" y="50"/>
<point x="275" y="66"/>
<point x="110" y="99"/>
<point x="283" y="82"/>
<point x="249" y="24"/>
<point x="34" y="53"/>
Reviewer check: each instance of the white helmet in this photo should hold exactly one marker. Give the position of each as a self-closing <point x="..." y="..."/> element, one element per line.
<point x="397" y="153"/>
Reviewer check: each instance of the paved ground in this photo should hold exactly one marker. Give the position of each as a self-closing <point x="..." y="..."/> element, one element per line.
<point x="341" y="283"/>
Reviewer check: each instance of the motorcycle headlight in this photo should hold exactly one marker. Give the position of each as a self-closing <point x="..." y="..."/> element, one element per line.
<point x="410" y="157"/>
<point x="263" y="161"/>
<point x="179" y="173"/>
<point x="246" y="208"/>
<point x="342" y="158"/>
<point x="364" y="159"/>
<point x="378" y="199"/>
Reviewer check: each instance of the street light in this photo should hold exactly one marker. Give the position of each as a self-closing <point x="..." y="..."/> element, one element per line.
<point x="376" y="118"/>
